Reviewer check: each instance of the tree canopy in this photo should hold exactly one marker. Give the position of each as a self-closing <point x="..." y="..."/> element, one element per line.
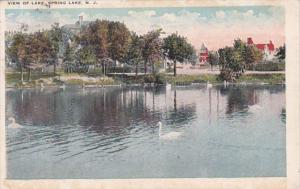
<point x="178" y="49"/>
<point x="280" y="54"/>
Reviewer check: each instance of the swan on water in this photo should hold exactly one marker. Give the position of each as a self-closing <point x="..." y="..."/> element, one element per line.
<point x="42" y="85"/>
<point x="208" y="85"/>
<point x="168" y="136"/>
<point x="63" y="86"/>
<point x="13" y="123"/>
<point x="168" y="86"/>
<point x="254" y="108"/>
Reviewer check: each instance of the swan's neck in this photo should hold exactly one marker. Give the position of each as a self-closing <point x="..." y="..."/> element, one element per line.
<point x="13" y="122"/>
<point x="159" y="130"/>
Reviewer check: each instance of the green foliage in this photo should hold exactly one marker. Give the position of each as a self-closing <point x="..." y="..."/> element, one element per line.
<point x="280" y="54"/>
<point x="271" y="66"/>
<point x="95" y="35"/>
<point x="134" y="55"/>
<point x="234" y="60"/>
<point x="119" y="39"/>
<point x="109" y="40"/>
<point x="69" y="57"/>
<point x="263" y="78"/>
<point x="213" y="58"/>
<point x="16" y="50"/>
<point x="55" y="35"/>
<point x="152" y="45"/>
<point x="189" y="79"/>
<point x="86" y="56"/>
<point x="155" y="78"/>
<point x="124" y="69"/>
<point x="177" y="48"/>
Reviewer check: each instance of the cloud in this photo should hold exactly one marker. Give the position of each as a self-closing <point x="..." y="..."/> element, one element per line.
<point x="220" y="14"/>
<point x="149" y="13"/>
<point x="215" y="30"/>
<point x="169" y="17"/>
<point x="248" y="13"/>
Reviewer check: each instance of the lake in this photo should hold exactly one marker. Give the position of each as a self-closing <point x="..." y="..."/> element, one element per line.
<point x="113" y="132"/>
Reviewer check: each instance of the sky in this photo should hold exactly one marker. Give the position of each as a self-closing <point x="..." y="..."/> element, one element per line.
<point x="216" y="27"/>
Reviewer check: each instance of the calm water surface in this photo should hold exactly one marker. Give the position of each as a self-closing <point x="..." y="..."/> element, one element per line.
<point x="238" y="131"/>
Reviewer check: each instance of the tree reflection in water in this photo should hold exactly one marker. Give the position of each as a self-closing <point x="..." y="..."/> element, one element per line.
<point x="241" y="97"/>
<point x="101" y="110"/>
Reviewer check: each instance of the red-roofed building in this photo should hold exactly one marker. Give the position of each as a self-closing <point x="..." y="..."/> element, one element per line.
<point x="203" y="54"/>
<point x="267" y="49"/>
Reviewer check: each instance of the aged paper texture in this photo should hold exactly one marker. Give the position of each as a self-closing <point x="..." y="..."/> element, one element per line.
<point x="149" y="94"/>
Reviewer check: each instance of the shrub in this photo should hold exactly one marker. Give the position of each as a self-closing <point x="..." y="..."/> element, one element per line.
<point x="269" y="66"/>
<point x="157" y="79"/>
<point x="227" y="74"/>
<point x="119" y="70"/>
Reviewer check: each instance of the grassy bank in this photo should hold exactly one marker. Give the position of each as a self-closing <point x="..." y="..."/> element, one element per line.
<point x="263" y="78"/>
<point x="49" y="79"/>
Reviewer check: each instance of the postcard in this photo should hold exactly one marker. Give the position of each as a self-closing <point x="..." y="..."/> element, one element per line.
<point x="149" y="94"/>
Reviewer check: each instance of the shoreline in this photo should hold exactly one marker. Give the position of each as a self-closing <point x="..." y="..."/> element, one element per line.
<point x="96" y="81"/>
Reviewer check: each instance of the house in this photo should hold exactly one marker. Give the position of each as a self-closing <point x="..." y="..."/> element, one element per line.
<point x="268" y="49"/>
<point x="203" y="54"/>
<point x="76" y="27"/>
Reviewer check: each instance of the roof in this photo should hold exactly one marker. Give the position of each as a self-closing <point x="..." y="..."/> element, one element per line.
<point x="270" y="46"/>
<point x="261" y="46"/>
<point x="76" y="25"/>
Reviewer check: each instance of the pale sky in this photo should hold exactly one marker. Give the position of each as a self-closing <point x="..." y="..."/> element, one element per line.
<point x="216" y="27"/>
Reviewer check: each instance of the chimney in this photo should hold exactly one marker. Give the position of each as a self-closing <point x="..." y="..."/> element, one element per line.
<point x="80" y="20"/>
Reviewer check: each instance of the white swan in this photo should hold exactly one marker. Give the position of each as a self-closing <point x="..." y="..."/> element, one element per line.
<point x="42" y="85"/>
<point x="168" y="136"/>
<point x="13" y="123"/>
<point x="63" y="86"/>
<point x="208" y="85"/>
<point x="254" y="108"/>
<point x="168" y="86"/>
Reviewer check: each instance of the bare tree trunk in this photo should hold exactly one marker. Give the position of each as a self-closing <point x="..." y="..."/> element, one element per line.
<point x="103" y="68"/>
<point x="153" y="67"/>
<point x="175" y="67"/>
<point x="29" y="75"/>
<point x="136" y="71"/>
<point x="22" y="74"/>
<point x="115" y="65"/>
<point x="175" y="101"/>
<point x="54" y="69"/>
<point x="145" y="67"/>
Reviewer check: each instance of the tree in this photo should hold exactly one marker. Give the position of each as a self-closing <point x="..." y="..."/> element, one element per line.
<point x="213" y="59"/>
<point x="39" y="51"/>
<point x="177" y="48"/>
<point x="16" y="52"/>
<point x="249" y="53"/>
<point x="119" y="39"/>
<point x="280" y="54"/>
<point x="234" y="60"/>
<point x="69" y="57"/>
<point x="55" y="35"/>
<point x="152" y="50"/>
<point x="134" y="55"/>
<point x="232" y="63"/>
<point x="86" y="57"/>
<point x="96" y="36"/>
